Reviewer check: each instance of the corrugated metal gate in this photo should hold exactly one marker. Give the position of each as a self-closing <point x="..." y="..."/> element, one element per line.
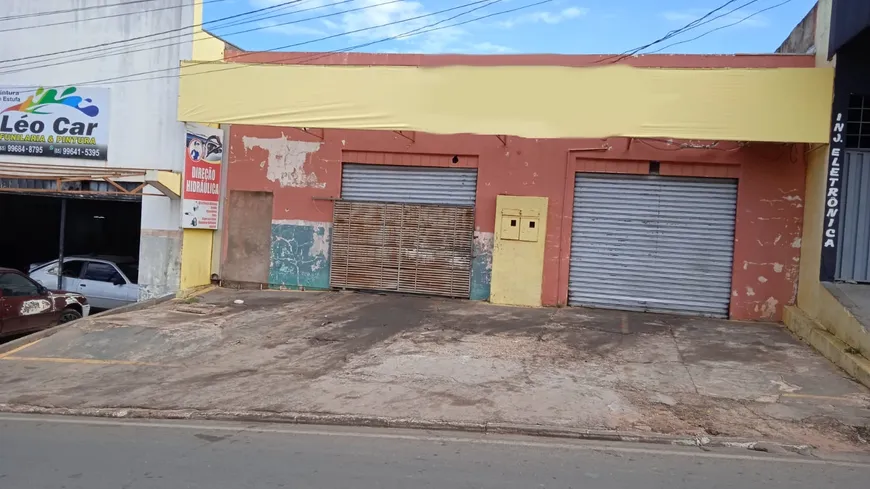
<point x="853" y="259"/>
<point x="404" y="229"/>
<point x="651" y="243"/>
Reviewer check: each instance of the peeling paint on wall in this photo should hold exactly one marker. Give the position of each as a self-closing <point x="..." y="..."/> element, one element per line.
<point x="768" y="309"/>
<point x="286" y="161"/>
<point x="481" y="266"/>
<point x="300" y="254"/>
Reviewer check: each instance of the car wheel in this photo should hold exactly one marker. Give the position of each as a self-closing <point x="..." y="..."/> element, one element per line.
<point x="69" y="315"/>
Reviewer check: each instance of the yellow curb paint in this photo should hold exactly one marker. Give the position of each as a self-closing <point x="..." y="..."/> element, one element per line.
<point x="85" y="361"/>
<point x="16" y="350"/>
<point x="195" y="292"/>
<point x="203" y="291"/>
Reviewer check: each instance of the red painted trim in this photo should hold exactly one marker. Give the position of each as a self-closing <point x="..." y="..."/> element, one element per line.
<point x="435" y="60"/>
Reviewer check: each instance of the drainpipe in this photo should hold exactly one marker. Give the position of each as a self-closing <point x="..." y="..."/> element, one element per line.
<point x="60" y="244"/>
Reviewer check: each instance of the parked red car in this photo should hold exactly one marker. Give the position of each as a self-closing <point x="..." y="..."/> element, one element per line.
<point x="26" y="306"/>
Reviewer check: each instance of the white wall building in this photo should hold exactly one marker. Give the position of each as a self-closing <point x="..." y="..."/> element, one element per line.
<point x="132" y="49"/>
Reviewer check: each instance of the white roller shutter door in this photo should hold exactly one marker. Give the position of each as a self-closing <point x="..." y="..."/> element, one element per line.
<point x="649" y="243"/>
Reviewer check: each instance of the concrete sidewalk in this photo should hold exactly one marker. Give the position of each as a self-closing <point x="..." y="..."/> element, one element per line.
<point x="433" y="359"/>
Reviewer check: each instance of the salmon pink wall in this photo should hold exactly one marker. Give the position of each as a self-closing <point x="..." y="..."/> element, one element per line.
<point x="303" y="170"/>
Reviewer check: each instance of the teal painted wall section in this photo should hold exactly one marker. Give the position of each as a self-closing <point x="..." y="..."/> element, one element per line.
<point x="300" y="255"/>
<point x="481" y="266"/>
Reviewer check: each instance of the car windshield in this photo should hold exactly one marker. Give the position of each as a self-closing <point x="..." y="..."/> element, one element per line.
<point x="131" y="270"/>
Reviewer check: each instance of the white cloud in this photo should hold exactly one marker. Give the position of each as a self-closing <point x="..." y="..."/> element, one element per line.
<point x="685" y="16"/>
<point x="368" y="21"/>
<point x="369" y="25"/>
<point x="545" y="17"/>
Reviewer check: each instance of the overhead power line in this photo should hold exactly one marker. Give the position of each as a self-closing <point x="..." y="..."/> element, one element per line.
<point x="274" y="14"/>
<point x="130" y="78"/>
<point x="88" y="19"/>
<point x="425" y="29"/>
<point x="125" y="50"/>
<point x="70" y="10"/>
<point x="303" y="43"/>
<point x="154" y="34"/>
<point x="675" y="32"/>
<point x="738" y="22"/>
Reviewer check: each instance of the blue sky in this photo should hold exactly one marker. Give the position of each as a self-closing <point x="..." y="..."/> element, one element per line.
<point x="557" y="26"/>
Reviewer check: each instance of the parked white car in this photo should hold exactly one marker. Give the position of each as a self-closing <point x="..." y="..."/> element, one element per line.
<point x="106" y="281"/>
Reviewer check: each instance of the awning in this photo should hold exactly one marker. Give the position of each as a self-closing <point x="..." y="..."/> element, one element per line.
<point x="72" y="181"/>
<point x="789" y="105"/>
<point x="848" y="19"/>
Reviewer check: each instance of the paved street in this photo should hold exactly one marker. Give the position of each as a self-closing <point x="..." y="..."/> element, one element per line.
<point x="73" y="453"/>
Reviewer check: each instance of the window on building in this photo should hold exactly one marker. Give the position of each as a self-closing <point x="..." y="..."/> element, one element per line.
<point x="858" y="122"/>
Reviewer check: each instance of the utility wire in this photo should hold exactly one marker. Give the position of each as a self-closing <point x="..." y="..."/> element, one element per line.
<point x="127" y="78"/>
<point x="66" y="11"/>
<point x="425" y="29"/>
<point x="155" y="34"/>
<point x="744" y="19"/>
<point x="137" y="12"/>
<point x="270" y="15"/>
<point x="123" y="50"/>
<point x="713" y="19"/>
<point x="414" y="32"/>
<point x="675" y="32"/>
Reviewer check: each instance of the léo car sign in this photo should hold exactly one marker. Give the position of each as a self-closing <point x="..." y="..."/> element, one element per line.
<point x="61" y="122"/>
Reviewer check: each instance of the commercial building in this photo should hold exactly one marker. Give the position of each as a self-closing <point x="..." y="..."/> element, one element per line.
<point x="86" y="125"/>
<point x="833" y="304"/>
<point x="708" y="226"/>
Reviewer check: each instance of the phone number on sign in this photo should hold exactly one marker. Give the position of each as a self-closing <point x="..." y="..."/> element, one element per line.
<point x="21" y="149"/>
<point x="78" y="152"/>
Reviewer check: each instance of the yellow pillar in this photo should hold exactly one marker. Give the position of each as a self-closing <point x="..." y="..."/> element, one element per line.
<point x="518" y="251"/>
<point x="196" y="249"/>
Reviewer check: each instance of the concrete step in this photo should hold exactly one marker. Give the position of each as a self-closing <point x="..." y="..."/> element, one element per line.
<point x="827" y="344"/>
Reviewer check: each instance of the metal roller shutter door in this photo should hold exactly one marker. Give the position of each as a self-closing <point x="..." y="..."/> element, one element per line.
<point x="404" y="229"/>
<point x="853" y="260"/>
<point x="650" y="243"/>
<point x="409" y="184"/>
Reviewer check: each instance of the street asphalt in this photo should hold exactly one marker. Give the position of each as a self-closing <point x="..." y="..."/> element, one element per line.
<point x="72" y="453"/>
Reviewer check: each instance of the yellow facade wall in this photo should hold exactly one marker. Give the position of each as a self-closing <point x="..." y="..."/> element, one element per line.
<point x="196" y="258"/>
<point x="518" y="250"/>
<point x="813" y="298"/>
<point x="809" y="286"/>
<point x="205" y="46"/>
<point x="527" y="101"/>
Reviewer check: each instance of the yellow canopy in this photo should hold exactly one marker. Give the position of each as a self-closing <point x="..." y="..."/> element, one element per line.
<point x="777" y="104"/>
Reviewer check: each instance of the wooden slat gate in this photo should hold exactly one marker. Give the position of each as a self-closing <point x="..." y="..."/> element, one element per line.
<point x="411" y="248"/>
